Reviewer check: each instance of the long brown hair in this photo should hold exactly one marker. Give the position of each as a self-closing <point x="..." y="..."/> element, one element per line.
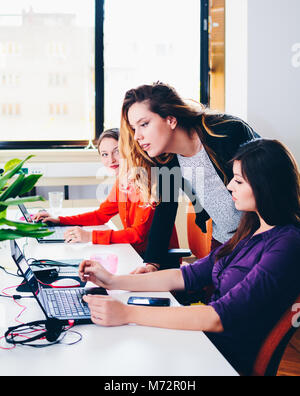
<point x="273" y="174"/>
<point x="164" y="101"/>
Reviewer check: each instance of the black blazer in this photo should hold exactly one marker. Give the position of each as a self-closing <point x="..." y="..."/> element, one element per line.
<point x="237" y="132"/>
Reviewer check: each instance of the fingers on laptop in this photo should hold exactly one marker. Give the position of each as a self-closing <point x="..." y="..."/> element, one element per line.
<point x="40" y="215"/>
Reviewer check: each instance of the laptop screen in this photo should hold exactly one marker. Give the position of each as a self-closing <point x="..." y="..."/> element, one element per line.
<point x="25" y="213"/>
<point x="27" y="272"/>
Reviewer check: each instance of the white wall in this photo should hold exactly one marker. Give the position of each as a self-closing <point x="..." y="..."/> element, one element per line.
<point x="236" y="57"/>
<point x="263" y="67"/>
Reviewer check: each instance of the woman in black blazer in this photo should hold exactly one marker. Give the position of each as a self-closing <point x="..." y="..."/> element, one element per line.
<point x="171" y="144"/>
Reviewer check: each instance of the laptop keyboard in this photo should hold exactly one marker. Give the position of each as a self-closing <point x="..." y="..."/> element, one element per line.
<point x="67" y="303"/>
<point x="58" y="232"/>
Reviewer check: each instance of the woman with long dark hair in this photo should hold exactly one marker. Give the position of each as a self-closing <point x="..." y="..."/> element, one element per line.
<point x="159" y="130"/>
<point x="255" y="274"/>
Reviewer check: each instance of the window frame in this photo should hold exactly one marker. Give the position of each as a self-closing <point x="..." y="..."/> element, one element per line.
<point x="204" y="53"/>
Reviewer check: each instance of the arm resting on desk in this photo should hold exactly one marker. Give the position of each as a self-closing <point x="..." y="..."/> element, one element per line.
<point x="106" y="311"/>
<point x="201" y="317"/>
<point x="109" y="312"/>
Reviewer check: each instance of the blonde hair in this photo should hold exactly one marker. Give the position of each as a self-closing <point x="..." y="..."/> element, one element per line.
<point x="164" y="101"/>
<point x="113" y="133"/>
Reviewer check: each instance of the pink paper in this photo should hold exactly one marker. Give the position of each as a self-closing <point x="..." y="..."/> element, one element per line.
<point x="23" y="218"/>
<point x="108" y="261"/>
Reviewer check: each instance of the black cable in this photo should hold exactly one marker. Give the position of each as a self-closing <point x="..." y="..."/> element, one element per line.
<point x="16" y="296"/>
<point x="59" y="341"/>
<point x="47" y="262"/>
<point x="9" y="273"/>
<point x="40" y="263"/>
<point x="27" y="328"/>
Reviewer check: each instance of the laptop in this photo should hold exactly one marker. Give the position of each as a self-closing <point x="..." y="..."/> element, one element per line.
<point x="58" y="232"/>
<point x="64" y="304"/>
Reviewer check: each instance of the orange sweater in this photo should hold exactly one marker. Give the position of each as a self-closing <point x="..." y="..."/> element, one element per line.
<point x="136" y="218"/>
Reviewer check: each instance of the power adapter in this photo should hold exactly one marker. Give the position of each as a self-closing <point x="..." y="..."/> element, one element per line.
<point x="46" y="275"/>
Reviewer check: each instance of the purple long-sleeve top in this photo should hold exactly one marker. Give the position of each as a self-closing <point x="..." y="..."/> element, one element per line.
<point x="254" y="285"/>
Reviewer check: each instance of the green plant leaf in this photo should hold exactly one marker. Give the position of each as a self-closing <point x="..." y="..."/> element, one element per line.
<point x="23" y="226"/>
<point x="11" y="164"/>
<point x="6" y="234"/>
<point x="8" y="175"/>
<point x="18" y="201"/>
<point x="29" y="183"/>
<point x="13" y="190"/>
<point x="9" y="196"/>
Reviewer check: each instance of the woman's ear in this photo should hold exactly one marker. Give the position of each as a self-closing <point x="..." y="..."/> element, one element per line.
<point x="172" y="121"/>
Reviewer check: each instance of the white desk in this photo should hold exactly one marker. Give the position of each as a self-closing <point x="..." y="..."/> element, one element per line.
<point x="106" y="351"/>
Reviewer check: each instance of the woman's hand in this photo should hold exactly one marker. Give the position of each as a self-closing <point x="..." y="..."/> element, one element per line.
<point x="143" y="270"/>
<point x="106" y="311"/>
<point x="45" y="217"/>
<point x="77" y="234"/>
<point x="93" y="271"/>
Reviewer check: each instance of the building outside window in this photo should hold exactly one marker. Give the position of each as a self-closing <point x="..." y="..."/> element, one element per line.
<point x="49" y="68"/>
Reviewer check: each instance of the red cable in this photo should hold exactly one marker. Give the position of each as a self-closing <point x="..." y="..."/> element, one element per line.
<point x="71" y="322"/>
<point x="21" y="306"/>
<point x="18" y="316"/>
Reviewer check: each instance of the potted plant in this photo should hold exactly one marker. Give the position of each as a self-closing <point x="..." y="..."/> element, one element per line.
<point x="10" y="195"/>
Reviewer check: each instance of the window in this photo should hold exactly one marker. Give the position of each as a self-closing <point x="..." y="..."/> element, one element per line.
<point x="65" y="66"/>
<point x="47" y="72"/>
<point x="9" y="79"/>
<point x="9" y="48"/>
<point x="11" y="109"/>
<point x="157" y="40"/>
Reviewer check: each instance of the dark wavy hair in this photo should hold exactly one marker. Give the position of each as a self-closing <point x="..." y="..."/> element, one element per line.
<point x="273" y="174"/>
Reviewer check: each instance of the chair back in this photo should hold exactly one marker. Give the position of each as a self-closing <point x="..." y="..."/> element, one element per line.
<point x="273" y="347"/>
<point x="199" y="242"/>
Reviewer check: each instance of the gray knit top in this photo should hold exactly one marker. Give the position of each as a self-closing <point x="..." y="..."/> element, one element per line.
<point x="212" y="194"/>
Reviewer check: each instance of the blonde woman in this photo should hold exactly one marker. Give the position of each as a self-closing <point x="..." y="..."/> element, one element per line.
<point x="136" y="215"/>
<point x="159" y="130"/>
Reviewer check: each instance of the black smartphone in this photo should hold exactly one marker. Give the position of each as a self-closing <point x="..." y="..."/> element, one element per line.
<point x="149" y="301"/>
<point x="180" y="252"/>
